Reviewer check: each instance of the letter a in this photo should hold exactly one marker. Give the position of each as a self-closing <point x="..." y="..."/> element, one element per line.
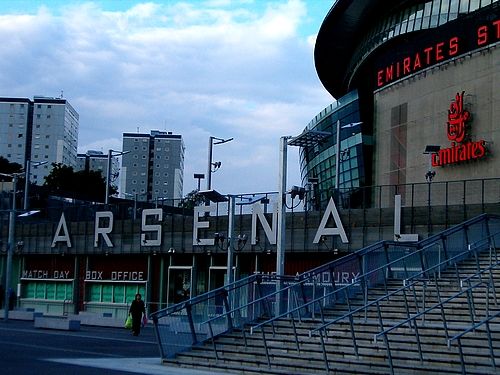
<point x="339" y="230"/>
<point x="62" y="237"/>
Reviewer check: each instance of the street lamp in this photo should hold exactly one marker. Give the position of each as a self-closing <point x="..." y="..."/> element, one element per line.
<point x="27" y="180"/>
<point x="199" y="177"/>
<point x="307" y="139"/>
<point x="213" y="141"/>
<point x="430" y="150"/>
<point x="10" y="246"/>
<point x="216" y="197"/>
<point x="108" y="172"/>
<point x="429" y="176"/>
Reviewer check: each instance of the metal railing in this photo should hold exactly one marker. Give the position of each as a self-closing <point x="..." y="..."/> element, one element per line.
<point x="407" y="264"/>
<point x="442" y="303"/>
<point x="474" y="328"/>
<point x="185" y="324"/>
<point x="345" y="294"/>
<point x="257" y="297"/>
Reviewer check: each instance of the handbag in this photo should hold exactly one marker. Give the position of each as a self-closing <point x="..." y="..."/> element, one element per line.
<point x="128" y="322"/>
<point x="144" y="320"/>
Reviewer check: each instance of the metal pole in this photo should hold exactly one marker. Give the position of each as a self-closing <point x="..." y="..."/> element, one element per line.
<point x="26" y="184"/>
<point x="10" y="249"/>
<point x="231" y="240"/>
<point x="337" y="157"/>
<point x="209" y="169"/>
<point x="135" y="206"/>
<point x="108" y="177"/>
<point x="280" y="241"/>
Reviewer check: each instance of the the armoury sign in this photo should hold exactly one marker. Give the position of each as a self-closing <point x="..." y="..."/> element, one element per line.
<point x="462" y="148"/>
<point x="151" y="226"/>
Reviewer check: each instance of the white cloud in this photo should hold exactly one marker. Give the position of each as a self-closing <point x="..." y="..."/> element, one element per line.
<point x="228" y="69"/>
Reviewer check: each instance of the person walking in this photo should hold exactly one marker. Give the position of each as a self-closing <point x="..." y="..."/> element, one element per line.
<point x="137" y="310"/>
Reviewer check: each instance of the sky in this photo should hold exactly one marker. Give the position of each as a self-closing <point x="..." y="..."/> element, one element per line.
<point x="241" y="69"/>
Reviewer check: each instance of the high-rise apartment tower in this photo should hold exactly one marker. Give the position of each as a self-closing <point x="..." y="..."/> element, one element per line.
<point x="39" y="130"/>
<point x="153" y="170"/>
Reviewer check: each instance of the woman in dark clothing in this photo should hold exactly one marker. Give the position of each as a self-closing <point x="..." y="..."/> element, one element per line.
<point x="137" y="310"/>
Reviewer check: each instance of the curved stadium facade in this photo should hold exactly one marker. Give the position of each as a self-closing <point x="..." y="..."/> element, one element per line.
<point x="419" y="75"/>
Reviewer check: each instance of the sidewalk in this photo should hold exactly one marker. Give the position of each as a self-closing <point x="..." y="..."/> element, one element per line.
<point x="90" y="348"/>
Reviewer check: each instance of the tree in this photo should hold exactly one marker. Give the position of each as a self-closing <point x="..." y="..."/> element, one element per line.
<point x="191" y="200"/>
<point x="8" y="168"/>
<point x="85" y="185"/>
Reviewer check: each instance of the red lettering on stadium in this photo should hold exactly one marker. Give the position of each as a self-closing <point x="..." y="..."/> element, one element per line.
<point x="439" y="52"/>
<point x="461" y="149"/>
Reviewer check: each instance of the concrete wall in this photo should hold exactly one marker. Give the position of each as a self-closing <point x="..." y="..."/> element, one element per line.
<point x="428" y="96"/>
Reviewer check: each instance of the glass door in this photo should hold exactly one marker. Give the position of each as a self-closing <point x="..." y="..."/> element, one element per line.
<point x="180" y="284"/>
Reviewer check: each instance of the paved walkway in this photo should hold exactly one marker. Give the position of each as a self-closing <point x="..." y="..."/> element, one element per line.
<point x="90" y="351"/>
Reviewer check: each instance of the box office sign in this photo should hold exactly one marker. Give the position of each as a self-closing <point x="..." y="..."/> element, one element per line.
<point x="115" y="275"/>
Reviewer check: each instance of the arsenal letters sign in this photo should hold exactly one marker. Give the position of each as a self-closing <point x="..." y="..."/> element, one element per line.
<point x="457" y="128"/>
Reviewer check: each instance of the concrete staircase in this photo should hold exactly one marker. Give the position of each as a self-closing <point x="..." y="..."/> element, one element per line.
<point x="242" y="352"/>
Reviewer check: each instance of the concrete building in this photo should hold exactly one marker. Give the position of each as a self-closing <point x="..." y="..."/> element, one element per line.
<point x="94" y="160"/>
<point x="39" y="130"/>
<point x="153" y="169"/>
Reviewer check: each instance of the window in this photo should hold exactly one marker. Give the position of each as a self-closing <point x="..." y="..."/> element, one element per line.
<point x="58" y="291"/>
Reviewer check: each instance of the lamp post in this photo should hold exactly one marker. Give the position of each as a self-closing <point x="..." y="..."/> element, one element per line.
<point x="199" y="177"/>
<point x="211" y="142"/>
<point x="108" y="172"/>
<point x="429" y="176"/>
<point x="27" y="180"/>
<point x="10" y="245"/>
<point x="306" y="139"/>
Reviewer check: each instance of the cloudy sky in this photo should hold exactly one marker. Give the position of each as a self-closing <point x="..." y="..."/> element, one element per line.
<point x="222" y="68"/>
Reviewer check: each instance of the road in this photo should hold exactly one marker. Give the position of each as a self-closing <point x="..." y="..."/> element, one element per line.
<point x="92" y="350"/>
